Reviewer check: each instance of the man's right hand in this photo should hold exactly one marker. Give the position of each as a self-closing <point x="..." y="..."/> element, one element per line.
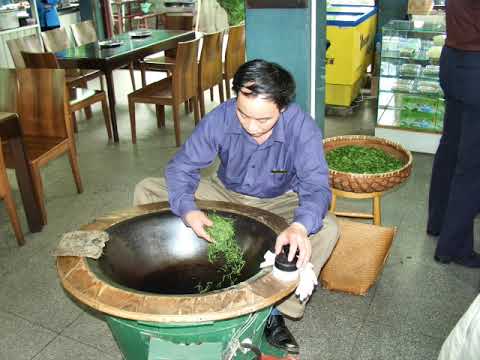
<point x="197" y="220"/>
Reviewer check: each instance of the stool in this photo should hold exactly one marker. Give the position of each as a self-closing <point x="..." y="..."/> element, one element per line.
<point x="376" y="214"/>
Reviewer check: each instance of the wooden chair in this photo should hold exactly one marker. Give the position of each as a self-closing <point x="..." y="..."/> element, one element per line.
<point x="210" y="67"/>
<point x="80" y="98"/>
<point x="58" y="40"/>
<point x="42" y="106"/>
<point x="6" y="195"/>
<point x="234" y="55"/>
<point x="31" y="43"/>
<point x="84" y="33"/>
<point x="173" y="90"/>
<point x="157" y="62"/>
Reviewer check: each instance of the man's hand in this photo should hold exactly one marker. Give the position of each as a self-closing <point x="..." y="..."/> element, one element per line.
<point x="296" y="235"/>
<point x="197" y="220"/>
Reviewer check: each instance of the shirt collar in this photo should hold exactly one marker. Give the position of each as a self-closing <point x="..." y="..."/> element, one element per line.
<point x="234" y="126"/>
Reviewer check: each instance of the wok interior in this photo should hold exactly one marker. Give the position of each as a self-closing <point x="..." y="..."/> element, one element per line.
<point x="157" y="253"/>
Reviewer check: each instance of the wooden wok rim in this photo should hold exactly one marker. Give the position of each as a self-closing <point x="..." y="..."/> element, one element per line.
<point x="256" y="293"/>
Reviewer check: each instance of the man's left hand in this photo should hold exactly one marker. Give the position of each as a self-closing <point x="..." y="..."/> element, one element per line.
<point x="297" y="237"/>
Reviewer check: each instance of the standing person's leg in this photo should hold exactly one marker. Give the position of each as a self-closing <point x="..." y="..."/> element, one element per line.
<point x="446" y="156"/>
<point x="444" y="165"/>
<point x="456" y="238"/>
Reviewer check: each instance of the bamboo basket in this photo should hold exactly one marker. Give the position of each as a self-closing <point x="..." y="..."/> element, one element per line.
<point x="368" y="183"/>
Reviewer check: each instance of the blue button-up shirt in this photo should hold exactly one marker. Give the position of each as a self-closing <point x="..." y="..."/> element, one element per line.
<point x="291" y="159"/>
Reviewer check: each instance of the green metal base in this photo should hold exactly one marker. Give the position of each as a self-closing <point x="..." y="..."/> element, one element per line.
<point x="201" y="341"/>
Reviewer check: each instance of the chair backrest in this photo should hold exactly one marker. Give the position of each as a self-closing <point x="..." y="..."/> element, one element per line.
<point x="41" y="101"/>
<point x="185" y="74"/>
<point x="56" y="39"/>
<point x="8" y="99"/>
<point x="178" y="22"/>
<point x="210" y="67"/>
<point x="235" y="53"/>
<point x="44" y="60"/>
<point x="84" y="32"/>
<point x="31" y="43"/>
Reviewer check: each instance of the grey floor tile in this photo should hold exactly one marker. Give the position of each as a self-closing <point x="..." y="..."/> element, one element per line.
<point x="323" y="334"/>
<point x="420" y="298"/>
<point x="63" y="348"/>
<point x="35" y="293"/>
<point x="348" y="305"/>
<point x="385" y="342"/>
<point x="20" y="339"/>
<point x="92" y="330"/>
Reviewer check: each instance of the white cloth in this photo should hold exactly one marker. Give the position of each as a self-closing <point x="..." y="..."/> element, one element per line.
<point x="308" y="280"/>
<point x="211" y="17"/>
<point x="269" y="259"/>
<point x="463" y="343"/>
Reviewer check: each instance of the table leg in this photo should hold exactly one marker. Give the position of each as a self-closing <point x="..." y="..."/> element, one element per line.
<point x="111" y="103"/>
<point x="25" y="184"/>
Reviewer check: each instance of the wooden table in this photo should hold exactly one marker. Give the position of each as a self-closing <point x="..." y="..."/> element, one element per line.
<point x="10" y="130"/>
<point x="92" y="56"/>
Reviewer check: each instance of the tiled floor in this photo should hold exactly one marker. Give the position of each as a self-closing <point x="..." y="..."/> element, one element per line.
<point x="407" y="315"/>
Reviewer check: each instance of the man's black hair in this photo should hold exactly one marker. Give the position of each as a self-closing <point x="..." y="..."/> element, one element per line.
<point x="260" y="77"/>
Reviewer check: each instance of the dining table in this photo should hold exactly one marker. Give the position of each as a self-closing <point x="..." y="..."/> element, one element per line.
<point x="118" y="51"/>
<point x="11" y="133"/>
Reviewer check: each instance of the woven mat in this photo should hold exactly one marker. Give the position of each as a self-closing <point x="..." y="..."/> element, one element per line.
<point x="358" y="257"/>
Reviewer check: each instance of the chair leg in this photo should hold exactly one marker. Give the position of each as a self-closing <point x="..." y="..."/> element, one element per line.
<point x="37" y="180"/>
<point x="106" y="117"/>
<point x="220" y="92"/>
<point x="160" y="109"/>
<point x="12" y="214"/>
<point x="227" y="88"/>
<point x="143" y="74"/>
<point x="131" y="109"/>
<point x="74" y="122"/>
<point x="202" y="103"/>
<point x="11" y="209"/>
<point x="102" y="85"/>
<point x="72" y="156"/>
<point x="211" y="94"/>
<point x="88" y="112"/>
<point x="176" y="124"/>
<point x="196" y="114"/>
<point x="132" y="75"/>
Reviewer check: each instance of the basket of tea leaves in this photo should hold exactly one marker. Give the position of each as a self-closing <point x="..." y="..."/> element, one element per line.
<point x="366" y="164"/>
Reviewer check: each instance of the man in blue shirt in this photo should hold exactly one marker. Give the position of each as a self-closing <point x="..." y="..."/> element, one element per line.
<point x="271" y="157"/>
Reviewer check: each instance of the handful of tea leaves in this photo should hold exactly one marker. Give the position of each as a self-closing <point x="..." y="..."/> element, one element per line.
<point x="224" y="246"/>
<point x="361" y="160"/>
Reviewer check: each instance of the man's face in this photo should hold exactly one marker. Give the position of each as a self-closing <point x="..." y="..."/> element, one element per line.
<point x="257" y="115"/>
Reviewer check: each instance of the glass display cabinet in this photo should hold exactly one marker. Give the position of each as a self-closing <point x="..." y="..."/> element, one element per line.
<point x="410" y="102"/>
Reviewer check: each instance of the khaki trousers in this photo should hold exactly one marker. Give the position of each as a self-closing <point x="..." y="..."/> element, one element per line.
<point x="155" y="189"/>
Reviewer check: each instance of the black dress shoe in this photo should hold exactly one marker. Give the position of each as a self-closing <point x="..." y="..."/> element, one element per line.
<point x="471" y="261"/>
<point x="279" y="336"/>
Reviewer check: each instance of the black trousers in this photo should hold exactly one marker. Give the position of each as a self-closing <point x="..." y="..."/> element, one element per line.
<point x="454" y="198"/>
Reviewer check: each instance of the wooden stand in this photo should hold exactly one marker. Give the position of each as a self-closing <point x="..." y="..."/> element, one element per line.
<point x="376" y="214"/>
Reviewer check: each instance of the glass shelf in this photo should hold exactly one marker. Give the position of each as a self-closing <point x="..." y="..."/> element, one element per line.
<point x="410" y="96"/>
